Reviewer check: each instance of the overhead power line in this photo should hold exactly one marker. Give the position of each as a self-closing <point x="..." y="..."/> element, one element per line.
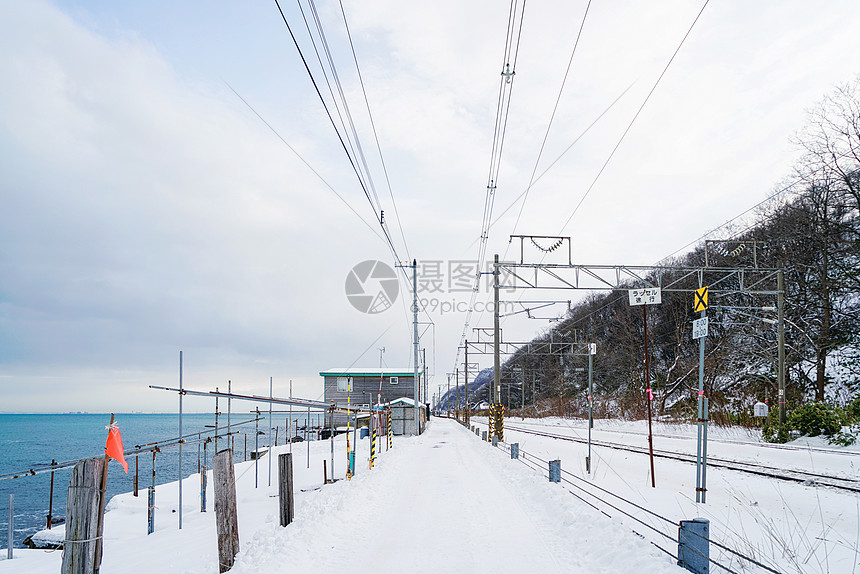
<point x="506" y="84"/>
<point x="633" y="120"/>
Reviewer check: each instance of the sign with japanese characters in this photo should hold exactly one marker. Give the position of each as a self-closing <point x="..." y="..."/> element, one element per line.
<point x="645" y="296"/>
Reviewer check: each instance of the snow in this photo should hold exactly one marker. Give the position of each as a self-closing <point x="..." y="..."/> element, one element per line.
<point x="448" y="502"/>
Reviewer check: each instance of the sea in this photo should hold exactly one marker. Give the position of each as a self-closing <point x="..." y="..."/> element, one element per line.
<point x="32" y="441"/>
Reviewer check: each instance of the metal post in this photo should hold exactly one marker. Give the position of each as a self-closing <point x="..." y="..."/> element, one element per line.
<point x="216" y="421"/>
<point x="11" y="526"/>
<point x="467" y="383"/>
<point x="496" y="335"/>
<point x="448" y="396"/>
<point x="256" y="444"/>
<point x="590" y="415"/>
<point x="229" y="412"/>
<point x="180" y="440"/>
<point x="705" y="449"/>
<point x="780" y="306"/>
<point x="415" y="380"/>
<point x="51" y="495"/>
<point x="457" y="390"/>
<point x="150" y="499"/>
<point x="270" y="432"/>
<point x="700" y="491"/>
<point x="648" y="398"/>
<point x="307" y="422"/>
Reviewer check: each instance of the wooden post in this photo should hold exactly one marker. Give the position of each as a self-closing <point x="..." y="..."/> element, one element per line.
<point x="226" y="522"/>
<point x="101" y="516"/>
<point x="325" y="473"/>
<point x="285" y="488"/>
<point x="82" y="517"/>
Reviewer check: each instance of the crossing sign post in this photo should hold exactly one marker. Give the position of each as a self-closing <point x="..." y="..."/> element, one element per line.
<point x="700" y="332"/>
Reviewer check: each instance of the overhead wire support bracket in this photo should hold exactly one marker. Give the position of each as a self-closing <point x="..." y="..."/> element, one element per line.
<point x="558" y="241"/>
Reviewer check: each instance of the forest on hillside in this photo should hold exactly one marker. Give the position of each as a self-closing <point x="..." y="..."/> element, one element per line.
<point x="809" y="228"/>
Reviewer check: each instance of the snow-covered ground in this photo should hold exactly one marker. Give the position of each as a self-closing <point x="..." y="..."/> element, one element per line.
<point x="790" y="527"/>
<point x="448" y="502"/>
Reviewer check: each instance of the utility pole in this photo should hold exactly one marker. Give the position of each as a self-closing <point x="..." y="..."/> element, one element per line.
<point x="592" y="350"/>
<point x="424" y="372"/>
<point x="467" y="384"/>
<point x="497" y="387"/>
<point x="780" y="304"/>
<point x="457" y="390"/>
<point x="415" y="380"/>
<point x="448" y="395"/>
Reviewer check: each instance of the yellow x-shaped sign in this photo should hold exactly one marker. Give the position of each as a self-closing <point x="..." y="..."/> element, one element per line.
<point x="700" y="301"/>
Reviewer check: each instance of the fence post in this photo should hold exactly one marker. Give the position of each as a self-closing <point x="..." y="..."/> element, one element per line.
<point x="285" y="488"/>
<point x="82" y="509"/>
<point x="226" y="523"/>
<point x="555" y="470"/>
<point x="12" y="525"/>
<point x="484" y="436"/>
<point x="693" y="545"/>
<point x="150" y="499"/>
<point x="515" y="450"/>
<point x="495" y="440"/>
<point x="203" y="478"/>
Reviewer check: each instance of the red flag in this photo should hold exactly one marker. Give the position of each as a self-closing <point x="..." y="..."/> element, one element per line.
<point x="113" y="446"/>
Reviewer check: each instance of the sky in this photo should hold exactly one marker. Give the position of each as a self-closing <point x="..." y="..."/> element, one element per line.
<point x="147" y="209"/>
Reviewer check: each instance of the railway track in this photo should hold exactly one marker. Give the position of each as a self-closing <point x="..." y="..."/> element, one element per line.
<point x="791" y="475"/>
<point x="770" y="446"/>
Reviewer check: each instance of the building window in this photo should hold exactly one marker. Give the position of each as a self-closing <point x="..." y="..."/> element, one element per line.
<point x="393" y="380"/>
<point x="343" y="384"/>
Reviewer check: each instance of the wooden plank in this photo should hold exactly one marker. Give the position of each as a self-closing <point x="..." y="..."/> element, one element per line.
<point x="226" y="519"/>
<point x="285" y="488"/>
<point x="82" y="517"/>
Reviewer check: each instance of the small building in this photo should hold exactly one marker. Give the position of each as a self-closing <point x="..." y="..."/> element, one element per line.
<point x="403" y="416"/>
<point x="365" y="386"/>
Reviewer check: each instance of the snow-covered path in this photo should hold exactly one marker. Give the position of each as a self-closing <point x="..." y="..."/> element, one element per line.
<point x="446" y="502"/>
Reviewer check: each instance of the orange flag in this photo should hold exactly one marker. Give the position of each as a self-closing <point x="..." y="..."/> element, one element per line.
<point x="113" y="446"/>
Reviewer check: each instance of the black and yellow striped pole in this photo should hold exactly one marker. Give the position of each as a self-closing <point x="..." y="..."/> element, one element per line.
<point x="372" y="445"/>
<point x="389" y="427"/>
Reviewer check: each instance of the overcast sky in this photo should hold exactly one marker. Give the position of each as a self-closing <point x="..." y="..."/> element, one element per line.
<point x="145" y="209"/>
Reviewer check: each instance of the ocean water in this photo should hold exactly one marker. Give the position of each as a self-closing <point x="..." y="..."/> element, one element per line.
<point x="31" y="440"/>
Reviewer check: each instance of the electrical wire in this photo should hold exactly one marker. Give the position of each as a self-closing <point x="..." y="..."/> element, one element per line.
<point x="552" y="117"/>
<point x="506" y="83"/>
<point x="633" y="120"/>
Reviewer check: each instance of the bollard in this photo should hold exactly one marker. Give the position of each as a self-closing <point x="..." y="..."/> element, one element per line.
<point x="555" y="471"/>
<point x="484" y="436"/>
<point x="693" y="545"/>
<point x="515" y="450"/>
<point x="495" y="440"/>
